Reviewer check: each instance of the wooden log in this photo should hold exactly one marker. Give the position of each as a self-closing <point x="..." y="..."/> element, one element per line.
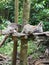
<point x="14" y="50"/>
<point x="19" y="35"/>
<point x="42" y="34"/>
<point x="23" y="51"/>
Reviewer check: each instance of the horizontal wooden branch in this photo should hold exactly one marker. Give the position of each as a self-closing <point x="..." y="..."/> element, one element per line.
<point x="19" y="34"/>
<point x="15" y="33"/>
<point x="3" y="56"/>
<point x="42" y="34"/>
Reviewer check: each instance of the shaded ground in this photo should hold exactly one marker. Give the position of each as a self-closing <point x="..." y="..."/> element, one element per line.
<point x="7" y="61"/>
<point x="31" y="61"/>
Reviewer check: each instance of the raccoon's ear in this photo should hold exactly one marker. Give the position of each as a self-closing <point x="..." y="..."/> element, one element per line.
<point x="40" y="24"/>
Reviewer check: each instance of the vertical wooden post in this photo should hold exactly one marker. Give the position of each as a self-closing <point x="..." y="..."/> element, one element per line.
<point x="14" y="50"/>
<point x="23" y="51"/>
<point x="16" y="10"/>
<point x="26" y="11"/>
<point x="14" y="37"/>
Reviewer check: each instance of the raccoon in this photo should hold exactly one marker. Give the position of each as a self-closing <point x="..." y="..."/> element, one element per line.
<point x="29" y="29"/>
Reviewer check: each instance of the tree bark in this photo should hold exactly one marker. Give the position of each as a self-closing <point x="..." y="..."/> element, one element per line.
<point x="14" y="50"/>
<point x="14" y="37"/>
<point x="26" y="11"/>
<point x="23" y="51"/>
<point x="16" y="13"/>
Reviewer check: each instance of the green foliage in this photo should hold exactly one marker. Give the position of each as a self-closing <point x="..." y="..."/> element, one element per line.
<point x="40" y="12"/>
<point x="31" y="47"/>
<point x="9" y="6"/>
<point x="5" y="4"/>
<point x="46" y="26"/>
<point x="42" y="48"/>
<point x="7" y="48"/>
<point x="4" y="23"/>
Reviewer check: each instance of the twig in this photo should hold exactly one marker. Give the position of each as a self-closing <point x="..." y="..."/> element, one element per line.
<point x="3" y="41"/>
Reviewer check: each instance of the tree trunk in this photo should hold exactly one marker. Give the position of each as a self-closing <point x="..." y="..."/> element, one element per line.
<point x="26" y="11"/>
<point x="14" y="37"/>
<point x="23" y="51"/>
<point x="16" y="10"/>
<point x="14" y="50"/>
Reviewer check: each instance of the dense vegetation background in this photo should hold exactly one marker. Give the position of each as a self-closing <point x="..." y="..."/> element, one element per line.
<point x="39" y="11"/>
